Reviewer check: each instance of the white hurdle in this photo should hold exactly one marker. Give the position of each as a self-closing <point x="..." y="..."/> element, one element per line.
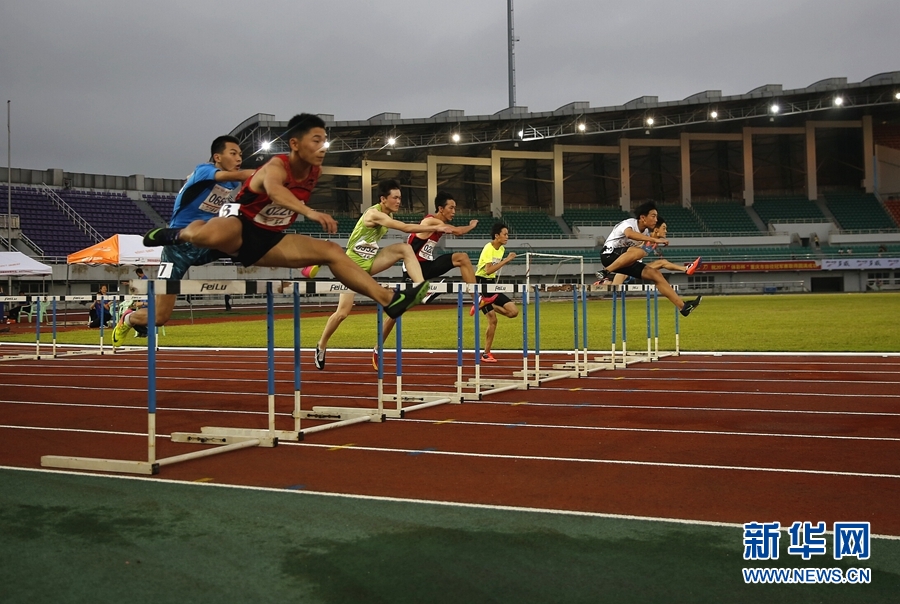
<point x="422" y="399"/>
<point x="620" y="360"/>
<point x="56" y="352"/>
<point x="152" y="464"/>
<point x="226" y="438"/>
<point x="230" y="439"/>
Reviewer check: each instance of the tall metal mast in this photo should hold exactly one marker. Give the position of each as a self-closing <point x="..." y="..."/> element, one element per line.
<point x="512" y="53"/>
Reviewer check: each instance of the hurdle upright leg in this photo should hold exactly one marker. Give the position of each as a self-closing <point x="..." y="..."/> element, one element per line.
<point x="525" y="296"/>
<point x="297" y="366"/>
<point x="649" y="329"/>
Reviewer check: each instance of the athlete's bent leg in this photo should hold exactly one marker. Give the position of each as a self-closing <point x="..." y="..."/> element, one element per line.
<point x="651" y="274"/>
<point x="508" y="310"/>
<point x="297" y="251"/>
<point x="219" y="233"/>
<point x="165" y="304"/>
<point x="390" y="255"/>
<point x="629" y="257"/>
<point x="345" y="305"/>
<point x="462" y="261"/>
<point x="491" y="329"/>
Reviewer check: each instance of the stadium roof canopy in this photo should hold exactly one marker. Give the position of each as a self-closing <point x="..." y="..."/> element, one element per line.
<point x="578" y="123"/>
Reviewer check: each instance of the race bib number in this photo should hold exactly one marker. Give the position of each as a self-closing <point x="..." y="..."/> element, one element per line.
<point x="365" y="250"/>
<point x="165" y="270"/>
<point x="427" y="251"/>
<point x="218" y="197"/>
<point x="275" y="216"/>
<point x="229" y="209"/>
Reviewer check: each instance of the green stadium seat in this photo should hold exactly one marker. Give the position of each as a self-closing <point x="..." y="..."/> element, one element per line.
<point x="723" y="217"/>
<point x="787" y="209"/>
<point x="856" y="211"/>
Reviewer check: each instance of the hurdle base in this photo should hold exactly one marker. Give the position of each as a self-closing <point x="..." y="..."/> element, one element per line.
<point x="423" y="399"/>
<point x="614" y="364"/>
<point x="539" y="377"/>
<point x="583" y="369"/>
<point x="96" y="464"/>
<point x="489" y="386"/>
<point x="343" y="413"/>
<point x="226" y="436"/>
<point x="21" y="357"/>
<point x="417" y="396"/>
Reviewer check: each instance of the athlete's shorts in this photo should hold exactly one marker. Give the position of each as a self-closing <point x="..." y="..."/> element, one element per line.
<point x="364" y="263"/>
<point x="257" y="242"/>
<point x="184" y="255"/>
<point x="434" y="268"/>
<point x="502" y="299"/>
<point x="634" y="270"/>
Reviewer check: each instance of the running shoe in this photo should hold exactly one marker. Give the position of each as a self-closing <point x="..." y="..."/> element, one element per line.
<point x="310" y="272"/>
<point x="487" y="357"/>
<point x="375" y="359"/>
<point x="320" y="358"/>
<point x="482" y="303"/>
<point x="161" y="236"/>
<point x="690" y="305"/>
<point x="121" y="330"/>
<point x="430" y="297"/>
<point x="693" y="266"/>
<point x="405" y="299"/>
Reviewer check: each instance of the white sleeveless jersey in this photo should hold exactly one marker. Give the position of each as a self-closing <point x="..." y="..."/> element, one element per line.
<point x="618" y="239"/>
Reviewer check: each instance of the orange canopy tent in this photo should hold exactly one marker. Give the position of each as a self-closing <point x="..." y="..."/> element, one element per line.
<point x="118" y="249"/>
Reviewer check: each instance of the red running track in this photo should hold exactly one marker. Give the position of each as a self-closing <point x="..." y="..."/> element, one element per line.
<point x="709" y="438"/>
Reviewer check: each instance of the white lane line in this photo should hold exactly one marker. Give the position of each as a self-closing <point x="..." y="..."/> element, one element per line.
<point x="670" y="408"/>
<point x="659" y="430"/>
<point x="472" y="403"/>
<point x="263" y="413"/>
<point x="453" y="504"/>
<point x="465" y="454"/>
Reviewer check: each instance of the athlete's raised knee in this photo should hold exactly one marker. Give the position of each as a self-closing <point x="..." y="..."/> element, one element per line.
<point x="461" y="259"/>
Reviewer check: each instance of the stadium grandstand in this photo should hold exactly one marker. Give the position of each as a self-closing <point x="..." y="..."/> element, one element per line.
<point x="775" y="185"/>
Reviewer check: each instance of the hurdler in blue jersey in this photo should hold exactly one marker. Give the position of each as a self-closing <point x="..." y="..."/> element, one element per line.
<point x="209" y="186"/>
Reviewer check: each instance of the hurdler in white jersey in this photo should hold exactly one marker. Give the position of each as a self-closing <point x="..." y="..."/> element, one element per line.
<point x="623" y="252"/>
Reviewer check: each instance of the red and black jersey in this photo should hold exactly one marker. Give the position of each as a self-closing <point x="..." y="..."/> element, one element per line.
<point x="266" y="214"/>
<point x="424" y="248"/>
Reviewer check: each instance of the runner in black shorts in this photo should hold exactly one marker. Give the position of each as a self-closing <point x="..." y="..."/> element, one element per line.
<point x="489" y="264"/>
<point x="622" y="253"/>
<point x="423" y="244"/>
<point x="252" y="229"/>
<point x="207" y="188"/>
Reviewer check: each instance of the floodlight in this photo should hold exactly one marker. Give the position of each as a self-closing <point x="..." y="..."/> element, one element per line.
<point x="775" y="108"/>
<point x="521" y="134"/>
<point x="455" y="137"/>
<point x="713" y="114"/>
<point x="649" y="121"/>
<point x="581" y="127"/>
<point x="897" y="96"/>
<point x="391" y="140"/>
<point x="265" y="145"/>
<point x="838" y="101"/>
<point x="326" y="144"/>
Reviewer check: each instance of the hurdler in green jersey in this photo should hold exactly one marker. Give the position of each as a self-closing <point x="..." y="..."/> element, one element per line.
<point x="363" y="249"/>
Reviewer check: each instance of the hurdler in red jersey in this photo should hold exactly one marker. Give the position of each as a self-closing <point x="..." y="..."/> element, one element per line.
<point x="264" y="213"/>
<point x="253" y="230"/>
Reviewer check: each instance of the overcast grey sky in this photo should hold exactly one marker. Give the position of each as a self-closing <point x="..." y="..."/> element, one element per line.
<point x="121" y="87"/>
